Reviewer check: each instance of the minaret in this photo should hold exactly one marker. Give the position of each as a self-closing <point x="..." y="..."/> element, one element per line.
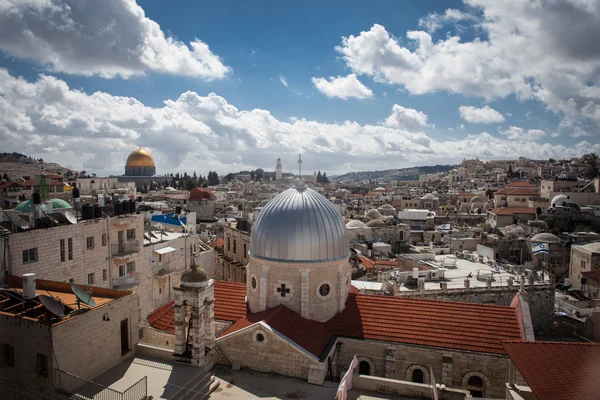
<point x="278" y="170"/>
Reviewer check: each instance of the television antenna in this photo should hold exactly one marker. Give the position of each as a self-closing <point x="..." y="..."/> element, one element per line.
<point x="83" y="297"/>
<point x="52" y="305"/>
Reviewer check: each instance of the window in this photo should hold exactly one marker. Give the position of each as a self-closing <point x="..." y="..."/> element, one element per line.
<point x="130" y="234"/>
<point x="131" y="267"/>
<point x="89" y="242"/>
<point x="90" y="279"/>
<point x="104" y="241"/>
<point x="260" y="337"/>
<point x="475" y="386"/>
<point x="8" y="355"/>
<point x="159" y="290"/>
<point x="181" y="251"/>
<point x="324" y="290"/>
<point x="71" y="280"/>
<point x="582" y="264"/>
<point x="282" y="290"/>
<point x="254" y="283"/>
<point x="122" y="270"/>
<point x="104" y="274"/>
<point x="228" y="243"/>
<point x="418" y="376"/>
<point x="70" y="248"/>
<point x="30" y="255"/>
<point x="62" y="250"/>
<point x="42" y="365"/>
<point x="364" y="368"/>
<point x="234" y="246"/>
<point x="245" y="250"/>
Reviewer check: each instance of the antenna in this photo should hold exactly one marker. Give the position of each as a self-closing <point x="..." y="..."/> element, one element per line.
<point x="300" y="166"/>
<point x="83" y="297"/>
<point x="52" y="305"/>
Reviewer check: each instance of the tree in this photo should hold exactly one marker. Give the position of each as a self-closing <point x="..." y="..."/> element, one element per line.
<point x="592" y="165"/>
<point x="319" y="177"/>
<point x="489" y="194"/>
<point x="324" y="179"/>
<point x="252" y="175"/>
<point x="259" y="174"/>
<point x="6" y="177"/>
<point x="509" y="173"/>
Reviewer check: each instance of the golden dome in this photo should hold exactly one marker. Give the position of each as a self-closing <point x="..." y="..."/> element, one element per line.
<point x="140" y="158"/>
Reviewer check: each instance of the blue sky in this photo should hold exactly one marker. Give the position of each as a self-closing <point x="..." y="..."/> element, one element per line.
<point x="394" y="100"/>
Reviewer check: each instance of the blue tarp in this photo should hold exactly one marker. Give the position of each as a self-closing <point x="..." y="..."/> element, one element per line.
<point x="172" y="219"/>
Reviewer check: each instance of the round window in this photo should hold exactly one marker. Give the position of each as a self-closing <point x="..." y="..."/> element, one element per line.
<point x="254" y="283"/>
<point x="260" y="337"/>
<point x="324" y="289"/>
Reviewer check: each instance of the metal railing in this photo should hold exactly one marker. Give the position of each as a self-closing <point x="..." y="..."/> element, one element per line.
<point x="125" y="248"/>
<point x="126" y="281"/>
<point x="164" y="268"/>
<point x="160" y="339"/>
<point x="80" y="388"/>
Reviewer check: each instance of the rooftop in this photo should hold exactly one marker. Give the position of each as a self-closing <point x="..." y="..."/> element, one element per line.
<point x="558" y="370"/>
<point x="512" y="210"/>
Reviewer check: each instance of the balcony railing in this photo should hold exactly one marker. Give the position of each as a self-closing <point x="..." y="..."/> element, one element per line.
<point x="156" y="338"/>
<point x="79" y="388"/>
<point x="164" y="268"/>
<point x="126" y="281"/>
<point x="125" y="249"/>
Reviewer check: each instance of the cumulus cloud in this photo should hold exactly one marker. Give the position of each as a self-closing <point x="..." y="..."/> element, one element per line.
<point x="435" y="21"/>
<point x="527" y="49"/>
<point x="343" y="87"/>
<point x="100" y="38"/>
<point x="407" y="118"/>
<point x="97" y="131"/>
<point x="485" y="115"/>
<point x="517" y="133"/>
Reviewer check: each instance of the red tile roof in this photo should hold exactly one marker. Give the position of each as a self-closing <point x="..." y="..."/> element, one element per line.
<point x="33" y="182"/>
<point x="219" y="242"/>
<point x="521" y="185"/>
<point x="163" y="317"/>
<point x="313" y="336"/>
<point x="7" y="185"/>
<point x="558" y="370"/>
<point x="200" y="193"/>
<point x="230" y="300"/>
<point x="460" y="326"/>
<point x="367" y="263"/>
<point x="390" y="263"/>
<point x="517" y="192"/>
<point x="594" y="275"/>
<point x="512" y="210"/>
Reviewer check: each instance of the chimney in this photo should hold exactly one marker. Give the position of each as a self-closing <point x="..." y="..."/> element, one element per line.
<point x="29" y="286"/>
<point x="467" y="283"/>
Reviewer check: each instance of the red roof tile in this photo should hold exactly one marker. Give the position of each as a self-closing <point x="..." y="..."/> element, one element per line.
<point x="512" y="210"/>
<point x="558" y="370"/>
<point x="517" y="191"/>
<point x="200" y="193"/>
<point x="7" y="185"/>
<point x="390" y="263"/>
<point x="219" y="242"/>
<point x="521" y="185"/>
<point x="163" y="317"/>
<point x="312" y="336"/>
<point x="461" y="326"/>
<point x="367" y="263"/>
<point x="33" y="182"/>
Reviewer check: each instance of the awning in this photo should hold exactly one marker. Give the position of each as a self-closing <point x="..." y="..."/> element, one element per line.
<point x="164" y="250"/>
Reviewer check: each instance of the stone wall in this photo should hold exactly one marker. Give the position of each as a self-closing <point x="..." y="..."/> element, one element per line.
<point x="450" y="367"/>
<point x="582" y="260"/>
<point x="273" y="354"/>
<point x="540" y="299"/>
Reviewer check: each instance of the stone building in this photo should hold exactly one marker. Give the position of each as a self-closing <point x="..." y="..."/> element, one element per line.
<point x="556" y="261"/>
<point x="584" y="258"/>
<point x="40" y="348"/>
<point x="301" y="319"/>
<point x="202" y="202"/>
<point x="232" y="258"/>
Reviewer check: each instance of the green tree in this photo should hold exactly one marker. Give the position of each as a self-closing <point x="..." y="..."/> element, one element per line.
<point x="324" y="179"/>
<point x="319" y="177"/>
<point x="592" y="165"/>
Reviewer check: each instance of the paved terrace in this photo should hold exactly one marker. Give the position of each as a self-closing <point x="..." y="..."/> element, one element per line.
<point x="168" y="380"/>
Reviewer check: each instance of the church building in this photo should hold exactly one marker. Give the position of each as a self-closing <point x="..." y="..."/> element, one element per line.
<point x="297" y="314"/>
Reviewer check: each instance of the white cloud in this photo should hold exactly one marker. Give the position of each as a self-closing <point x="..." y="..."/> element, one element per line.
<point x="96" y="132"/>
<point x="407" y="118"/>
<point x="524" y="48"/>
<point x="93" y="38"/>
<point x="485" y="115"/>
<point x="343" y="87"/>
<point x="435" y="21"/>
<point x="517" y="133"/>
<point x="283" y="80"/>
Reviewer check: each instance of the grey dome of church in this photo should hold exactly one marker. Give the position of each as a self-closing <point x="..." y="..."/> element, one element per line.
<point x="299" y="225"/>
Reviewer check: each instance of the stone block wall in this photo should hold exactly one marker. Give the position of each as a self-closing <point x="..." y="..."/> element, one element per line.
<point x="450" y="367"/>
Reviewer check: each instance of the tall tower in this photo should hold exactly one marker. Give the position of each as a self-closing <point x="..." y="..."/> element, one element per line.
<point x="194" y="318"/>
<point x="278" y="170"/>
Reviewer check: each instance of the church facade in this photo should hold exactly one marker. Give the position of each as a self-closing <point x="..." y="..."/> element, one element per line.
<point x="297" y="315"/>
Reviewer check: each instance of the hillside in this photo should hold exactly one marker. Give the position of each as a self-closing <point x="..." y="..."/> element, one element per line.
<point x="16" y="165"/>
<point x="390" y="175"/>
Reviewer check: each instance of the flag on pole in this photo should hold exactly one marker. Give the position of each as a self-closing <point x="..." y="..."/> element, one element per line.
<point x="435" y="394"/>
<point x="537" y="248"/>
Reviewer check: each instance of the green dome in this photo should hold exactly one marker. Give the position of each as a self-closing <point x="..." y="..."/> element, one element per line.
<point x="26" y="207"/>
<point x="59" y="204"/>
<point x="194" y="275"/>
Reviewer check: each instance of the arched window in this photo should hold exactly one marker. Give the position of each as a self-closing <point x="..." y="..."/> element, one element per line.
<point x="475" y="386"/>
<point x="364" y="368"/>
<point x="234" y="246"/>
<point x="418" y="376"/>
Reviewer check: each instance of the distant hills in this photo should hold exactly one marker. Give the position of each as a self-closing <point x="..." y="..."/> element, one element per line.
<point x="390" y="175"/>
<point x="16" y="165"/>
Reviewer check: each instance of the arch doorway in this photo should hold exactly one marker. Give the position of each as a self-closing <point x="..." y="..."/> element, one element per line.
<point x="475" y="386"/>
<point x="418" y="376"/>
<point x="364" y="368"/>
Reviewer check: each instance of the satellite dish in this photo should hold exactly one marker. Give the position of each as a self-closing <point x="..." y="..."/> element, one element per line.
<point x="83" y="296"/>
<point x="52" y="305"/>
<point x="12" y="293"/>
<point x="70" y="217"/>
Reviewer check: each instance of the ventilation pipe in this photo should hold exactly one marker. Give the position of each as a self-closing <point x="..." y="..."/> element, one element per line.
<point x="29" y="286"/>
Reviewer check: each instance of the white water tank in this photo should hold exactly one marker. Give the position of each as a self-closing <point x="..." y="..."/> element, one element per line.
<point x="415" y="273"/>
<point x="48" y="207"/>
<point x="567" y="282"/>
<point x="29" y="286"/>
<point x="101" y="200"/>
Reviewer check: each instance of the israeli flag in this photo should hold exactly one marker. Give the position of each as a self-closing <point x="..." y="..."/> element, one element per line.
<point x="444" y="227"/>
<point x="537" y="248"/>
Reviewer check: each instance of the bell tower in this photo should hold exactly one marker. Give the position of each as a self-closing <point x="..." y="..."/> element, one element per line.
<point x="278" y="170"/>
<point x="194" y="318"/>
